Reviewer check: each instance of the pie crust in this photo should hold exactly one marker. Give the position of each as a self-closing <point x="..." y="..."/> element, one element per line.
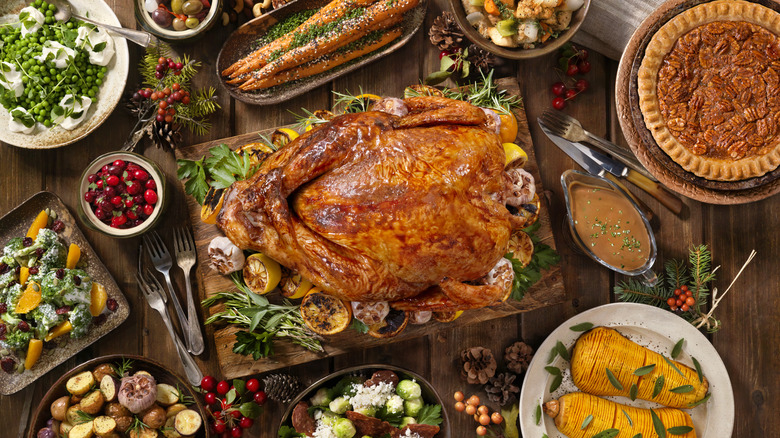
<point x="709" y="89"/>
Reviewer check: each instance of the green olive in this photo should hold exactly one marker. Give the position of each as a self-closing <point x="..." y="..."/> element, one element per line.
<point x="176" y="6"/>
<point x="192" y="7"/>
<point x="179" y="24"/>
<point x="192" y="22"/>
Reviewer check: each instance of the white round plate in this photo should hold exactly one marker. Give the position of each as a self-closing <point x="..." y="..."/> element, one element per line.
<point x="648" y="326"/>
<point x="107" y="99"/>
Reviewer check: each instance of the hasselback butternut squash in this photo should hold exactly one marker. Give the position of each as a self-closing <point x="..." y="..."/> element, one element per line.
<point x="602" y="349"/>
<point x="580" y="415"/>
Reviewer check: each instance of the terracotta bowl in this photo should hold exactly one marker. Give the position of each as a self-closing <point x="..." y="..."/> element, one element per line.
<point x="160" y="373"/>
<point x="429" y="394"/>
<point x="517" y="53"/>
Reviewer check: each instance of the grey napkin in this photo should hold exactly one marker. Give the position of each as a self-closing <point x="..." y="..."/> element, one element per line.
<point x="610" y="24"/>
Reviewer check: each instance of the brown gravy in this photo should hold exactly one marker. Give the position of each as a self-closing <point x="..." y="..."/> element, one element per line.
<point x="610" y="226"/>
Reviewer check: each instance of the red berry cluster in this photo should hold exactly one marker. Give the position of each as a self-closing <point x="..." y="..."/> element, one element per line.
<point x="226" y="420"/>
<point x="683" y="299"/>
<point x="481" y="413"/>
<point x="576" y="64"/>
<point x="167" y="98"/>
<point x="122" y="194"/>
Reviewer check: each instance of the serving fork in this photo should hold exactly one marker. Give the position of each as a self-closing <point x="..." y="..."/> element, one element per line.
<point x="184" y="248"/>
<point x="161" y="259"/>
<point x="571" y="129"/>
<point x="153" y="292"/>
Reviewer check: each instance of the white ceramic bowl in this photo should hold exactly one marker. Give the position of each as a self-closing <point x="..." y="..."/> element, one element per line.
<point x="107" y="99"/>
<point x="85" y="210"/>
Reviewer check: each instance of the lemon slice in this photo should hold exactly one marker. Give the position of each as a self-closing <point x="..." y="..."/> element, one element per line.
<point x="295" y="286"/>
<point x="515" y="155"/>
<point x="283" y="136"/>
<point x="261" y="273"/>
<point x="325" y="314"/>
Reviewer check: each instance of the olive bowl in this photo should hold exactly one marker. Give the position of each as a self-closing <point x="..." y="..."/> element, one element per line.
<point x="168" y="34"/>
<point x="160" y="373"/>
<point x="429" y="394"/>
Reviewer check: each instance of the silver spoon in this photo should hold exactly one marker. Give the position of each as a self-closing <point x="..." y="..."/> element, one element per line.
<point x="64" y="13"/>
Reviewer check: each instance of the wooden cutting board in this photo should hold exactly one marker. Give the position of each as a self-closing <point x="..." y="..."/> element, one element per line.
<point x="548" y="291"/>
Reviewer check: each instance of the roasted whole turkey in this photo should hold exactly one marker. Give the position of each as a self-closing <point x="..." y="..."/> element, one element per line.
<point x="409" y="203"/>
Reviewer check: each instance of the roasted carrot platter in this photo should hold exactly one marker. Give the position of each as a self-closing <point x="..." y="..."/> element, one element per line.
<point x="309" y="42"/>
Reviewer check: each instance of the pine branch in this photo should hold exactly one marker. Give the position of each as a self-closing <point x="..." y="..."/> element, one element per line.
<point x="633" y="291"/>
<point x="676" y="274"/>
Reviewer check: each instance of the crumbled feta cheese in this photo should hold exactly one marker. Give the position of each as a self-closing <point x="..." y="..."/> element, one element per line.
<point x="32" y="19"/>
<point x="375" y="395"/>
<point x="409" y="434"/>
<point x="323" y="431"/>
<point x="98" y="43"/>
<point x="55" y="52"/>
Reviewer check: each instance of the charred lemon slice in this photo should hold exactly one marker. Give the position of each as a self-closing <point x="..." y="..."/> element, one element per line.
<point x="293" y="285"/>
<point x="360" y="103"/>
<point x="261" y="273"/>
<point x="325" y="314"/>
<point x="257" y="152"/>
<point x="212" y="204"/>
<point x="530" y="211"/>
<point x="422" y="90"/>
<point x="394" y="323"/>
<point x="521" y="246"/>
<point x="283" y="136"/>
<point x="447" y="316"/>
<point x="515" y="155"/>
<point x="508" y="130"/>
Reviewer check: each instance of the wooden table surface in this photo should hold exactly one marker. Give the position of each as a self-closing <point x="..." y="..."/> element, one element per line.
<point x="750" y="313"/>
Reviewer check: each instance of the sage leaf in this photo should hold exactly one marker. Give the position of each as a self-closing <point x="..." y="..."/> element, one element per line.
<point x="639" y="435"/>
<point x="682" y="389"/>
<point x="658" y="425"/>
<point x="582" y="327"/>
<point x="538" y="414"/>
<point x="677" y="348"/>
<point x="659" y="384"/>
<point x="673" y="366"/>
<point x="544" y="435"/>
<point x="633" y="391"/>
<point x="679" y="430"/>
<point x="553" y="354"/>
<point x="647" y="369"/>
<point x="628" y="417"/>
<point x="702" y="401"/>
<point x="697" y="365"/>
<point x="562" y="351"/>
<point x="607" y="433"/>
<point x="556" y="383"/>
<point x="586" y="422"/>
<point x="613" y="380"/>
<point x="553" y="370"/>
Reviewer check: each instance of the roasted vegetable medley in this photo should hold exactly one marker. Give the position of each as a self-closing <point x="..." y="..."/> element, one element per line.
<point x="44" y="293"/>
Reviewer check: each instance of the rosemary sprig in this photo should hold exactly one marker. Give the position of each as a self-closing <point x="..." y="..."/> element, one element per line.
<point x="123" y="367"/>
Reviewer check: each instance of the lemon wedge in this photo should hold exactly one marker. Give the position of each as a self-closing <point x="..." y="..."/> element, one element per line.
<point x="515" y="155"/>
<point x="261" y="273"/>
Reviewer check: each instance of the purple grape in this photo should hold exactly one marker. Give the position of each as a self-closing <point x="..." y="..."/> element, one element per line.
<point x="162" y="17"/>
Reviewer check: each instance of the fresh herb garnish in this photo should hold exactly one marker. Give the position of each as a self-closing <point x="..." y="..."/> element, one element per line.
<point x="613" y="380"/>
<point x="697" y="365"/>
<point x="607" y="433"/>
<point x="220" y="169"/>
<point x="702" y="401"/>
<point x="682" y="389"/>
<point x="647" y="369"/>
<point x="628" y="417"/>
<point x="543" y="258"/>
<point x="582" y="327"/>
<point x="586" y="422"/>
<point x="430" y="414"/>
<point x="633" y="392"/>
<point x="659" y="384"/>
<point x="677" y="348"/>
<point x="679" y="430"/>
<point x="289" y="432"/>
<point x="658" y="425"/>
<point x="673" y="366"/>
<point x="538" y="414"/>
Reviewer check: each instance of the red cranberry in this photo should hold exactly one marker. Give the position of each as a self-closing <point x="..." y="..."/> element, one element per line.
<point x="260" y="397"/>
<point x="33" y="270"/>
<point x="4" y="268"/>
<point x="150" y="184"/>
<point x="101" y="214"/>
<point x="3" y="309"/>
<point x="89" y="196"/>
<point x="141" y="175"/>
<point x="148" y="209"/>
<point x="246" y="423"/>
<point x="131" y="215"/>
<point x="57" y="226"/>
<point x="252" y="385"/>
<point x="223" y="387"/>
<point x="116" y="200"/>
<point x="558" y="88"/>
<point x="236" y="432"/>
<point x="39" y="252"/>
<point x="112" y="304"/>
<point x="559" y="103"/>
<point x="76" y="280"/>
<point x="92" y="177"/>
<point x="119" y="163"/>
<point x="112" y="180"/>
<point x="138" y="199"/>
<point x="118" y="221"/>
<point x="27" y="241"/>
<point x="110" y="192"/>
<point x="23" y="326"/>
<point x="114" y="170"/>
<point x="160" y="118"/>
<point x="210" y="398"/>
<point x="208" y="383"/>
<point x="134" y="187"/>
<point x="99" y="183"/>
<point x="60" y="273"/>
<point x="3" y="329"/>
<point x="64" y="310"/>
<point x="179" y="66"/>
<point x="104" y="169"/>
<point x="150" y="196"/>
<point x="17" y="270"/>
<point x="8" y="365"/>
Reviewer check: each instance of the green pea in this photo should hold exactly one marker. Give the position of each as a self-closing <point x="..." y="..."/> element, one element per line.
<point x="99" y="81"/>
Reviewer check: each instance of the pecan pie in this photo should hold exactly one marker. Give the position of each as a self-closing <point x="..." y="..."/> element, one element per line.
<point x="709" y="89"/>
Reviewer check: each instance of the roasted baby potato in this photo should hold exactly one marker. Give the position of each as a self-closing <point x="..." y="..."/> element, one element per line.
<point x="103" y="426"/>
<point x="83" y="430"/>
<point x="154" y="417"/>
<point x="80" y="383"/>
<point x="72" y="415"/>
<point x="92" y="403"/>
<point x="59" y="407"/>
<point x="167" y="394"/>
<point x="114" y="409"/>
<point x="102" y="370"/>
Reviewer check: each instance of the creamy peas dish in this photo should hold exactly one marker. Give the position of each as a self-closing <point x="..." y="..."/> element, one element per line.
<point x="50" y="71"/>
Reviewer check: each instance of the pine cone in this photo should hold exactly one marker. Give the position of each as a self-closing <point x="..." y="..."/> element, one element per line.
<point x="480" y="58"/>
<point x="517" y="356"/>
<point x="163" y="133"/>
<point x="282" y="387"/>
<point x="501" y="389"/>
<point x="479" y="365"/>
<point x="445" y="32"/>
